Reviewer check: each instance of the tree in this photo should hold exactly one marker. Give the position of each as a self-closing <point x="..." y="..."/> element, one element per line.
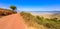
<point x="13" y="7"/>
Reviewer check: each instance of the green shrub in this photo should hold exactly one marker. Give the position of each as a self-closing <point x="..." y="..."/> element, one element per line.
<point x="53" y="23"/>
<point x="54" y="19"/>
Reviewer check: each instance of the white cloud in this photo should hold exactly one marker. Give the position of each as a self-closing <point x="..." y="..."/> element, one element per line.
<point x="42" y="8"/>
<point x="39" y="9"/>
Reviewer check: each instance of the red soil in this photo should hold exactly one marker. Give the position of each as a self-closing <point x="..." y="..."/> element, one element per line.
<point x="13" y="21"/>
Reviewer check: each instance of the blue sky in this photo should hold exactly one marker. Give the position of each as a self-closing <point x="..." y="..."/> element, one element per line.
<point x="32" y="5"/>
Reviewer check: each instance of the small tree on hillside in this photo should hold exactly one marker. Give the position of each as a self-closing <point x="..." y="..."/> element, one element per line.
<point x="13" y="7"/>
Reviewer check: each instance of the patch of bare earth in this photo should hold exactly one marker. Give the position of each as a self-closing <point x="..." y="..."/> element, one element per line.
<point x="13" y="21"/>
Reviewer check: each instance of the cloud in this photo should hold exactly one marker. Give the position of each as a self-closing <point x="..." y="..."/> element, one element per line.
<point x="55" y="8"/>
<point x="40" y="8"/>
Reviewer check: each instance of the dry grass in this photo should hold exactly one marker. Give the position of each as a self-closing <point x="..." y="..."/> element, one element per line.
<point x="5" y="12"/>
<point x="35" y="26"/>
<point x="38" y="22"/>
<point x="30" y="21"/>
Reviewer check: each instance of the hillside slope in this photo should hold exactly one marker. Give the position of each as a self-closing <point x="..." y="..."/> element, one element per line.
<point x="5" y="12"/>
<point x="41" y="22"/>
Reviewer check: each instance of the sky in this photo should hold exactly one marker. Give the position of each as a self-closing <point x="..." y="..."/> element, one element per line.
<point x="32" y="5"/>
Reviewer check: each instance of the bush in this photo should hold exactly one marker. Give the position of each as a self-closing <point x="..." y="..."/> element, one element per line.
<point x="54" y="19"/>
<point x="53" y="23"/>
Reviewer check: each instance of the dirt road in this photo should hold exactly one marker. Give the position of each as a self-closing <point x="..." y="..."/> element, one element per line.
<point x="13" y="21"/>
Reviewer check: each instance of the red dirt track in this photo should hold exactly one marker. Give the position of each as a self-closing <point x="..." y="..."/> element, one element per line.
<point x="13" y="21"/>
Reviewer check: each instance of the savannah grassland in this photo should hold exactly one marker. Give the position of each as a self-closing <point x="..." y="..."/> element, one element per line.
<point x="42" y="21"/>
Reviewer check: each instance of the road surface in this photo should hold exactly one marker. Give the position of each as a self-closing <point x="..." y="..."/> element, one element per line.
<point x="13" y="21"/>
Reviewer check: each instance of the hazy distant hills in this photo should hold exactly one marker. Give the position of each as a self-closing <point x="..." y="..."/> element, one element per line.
<point x="48" y="14"/>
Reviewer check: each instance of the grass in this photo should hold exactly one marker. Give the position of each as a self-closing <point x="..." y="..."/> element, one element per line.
<point x="50" y="23"/>
<point x="53" y="23"/>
